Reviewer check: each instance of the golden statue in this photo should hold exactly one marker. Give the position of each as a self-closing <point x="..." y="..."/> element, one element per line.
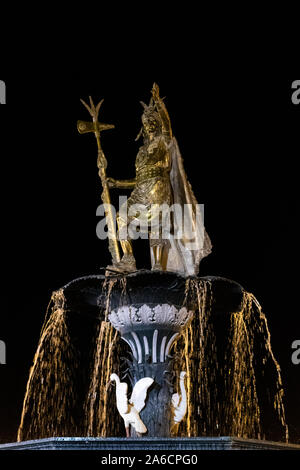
<point x="152" y="182"/>
<point x="160" y="182"/>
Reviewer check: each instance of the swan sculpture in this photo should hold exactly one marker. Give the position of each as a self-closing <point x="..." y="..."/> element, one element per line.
<point x="179" y="402"/>
<point x="129" y="410"/>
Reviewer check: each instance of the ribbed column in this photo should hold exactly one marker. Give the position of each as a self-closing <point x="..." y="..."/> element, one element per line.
<point x="150" y="331"/>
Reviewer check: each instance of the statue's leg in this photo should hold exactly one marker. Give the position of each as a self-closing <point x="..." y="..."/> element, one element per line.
<point x="159" y="237"/>
<point x="156" y="256"/>
<point x="126" y="247"/>
<point x="159" y="252"/>
<point x="128" y="261"/>
<point x="126" y="244"/>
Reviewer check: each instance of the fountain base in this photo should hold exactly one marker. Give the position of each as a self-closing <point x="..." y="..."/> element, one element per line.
<point x="228" y="332"/>
<point x="148" y="443"/>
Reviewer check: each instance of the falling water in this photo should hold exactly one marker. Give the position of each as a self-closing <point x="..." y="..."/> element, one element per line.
<point x="50" y="399"/>
<point x="99" y="419"/>
<point x="233" y="381"/>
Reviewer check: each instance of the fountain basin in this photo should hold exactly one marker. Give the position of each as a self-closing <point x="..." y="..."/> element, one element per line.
<point x="85" y="295"/>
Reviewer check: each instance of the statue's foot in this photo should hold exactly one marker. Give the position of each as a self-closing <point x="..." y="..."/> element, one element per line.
<point x="157" y="267"/>
<point x="126" y="265"/>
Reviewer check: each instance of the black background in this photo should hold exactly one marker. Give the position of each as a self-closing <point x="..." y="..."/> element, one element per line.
<point x="239" y="136"/>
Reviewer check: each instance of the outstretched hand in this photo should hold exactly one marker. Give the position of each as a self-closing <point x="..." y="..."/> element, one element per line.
<point x="111" y="182"/>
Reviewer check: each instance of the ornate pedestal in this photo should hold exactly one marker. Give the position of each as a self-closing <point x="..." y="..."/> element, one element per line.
<point x="150" y="317"/>
<point x="150" y="331"/>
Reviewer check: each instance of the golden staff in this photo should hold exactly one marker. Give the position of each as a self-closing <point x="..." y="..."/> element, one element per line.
<point x="97" y="127"/>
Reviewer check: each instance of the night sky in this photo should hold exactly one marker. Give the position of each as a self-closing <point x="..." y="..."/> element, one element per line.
<point x="239" y="138"/>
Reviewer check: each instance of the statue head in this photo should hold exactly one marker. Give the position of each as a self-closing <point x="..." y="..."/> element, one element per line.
<point x="151" y="120"/>
<point x="151" y="123"/>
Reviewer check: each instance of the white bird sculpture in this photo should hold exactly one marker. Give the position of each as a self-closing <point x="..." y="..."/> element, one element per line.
<point x="129" y="410"/>
<point x="179" y="402"/>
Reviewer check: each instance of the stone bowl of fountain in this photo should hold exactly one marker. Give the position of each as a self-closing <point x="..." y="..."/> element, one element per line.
<point x="87" y="295"/>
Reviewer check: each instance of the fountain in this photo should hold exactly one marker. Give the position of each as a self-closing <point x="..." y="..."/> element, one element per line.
<point x="232" y="382"/>
<point x="153" y="359"/>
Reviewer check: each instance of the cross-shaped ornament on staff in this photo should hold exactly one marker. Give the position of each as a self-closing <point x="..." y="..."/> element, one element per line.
<point x="97" y="127"/>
